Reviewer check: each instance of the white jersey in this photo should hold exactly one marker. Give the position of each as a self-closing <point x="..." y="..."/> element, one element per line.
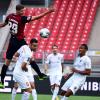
<point x="25" y="55"/>
<point x="77" y="80"/>
<point x="54" y="63"/>
<point x="82" y="63"/>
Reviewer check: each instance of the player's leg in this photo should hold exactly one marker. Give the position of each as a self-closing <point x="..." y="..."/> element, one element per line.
<point x="26" y="87"/>
<point x="57" y="81"/>
<point x="65" y="94"/>
<point x="66" y="89"/>
<point x="26" y="93"/>
<point x="34" y="93"/>
<point x="55" y="92"/>
<point x="24" y="84"/>
<point x="14" y="90"/>
<point x="51" y="79"/>
<point x="54" y="88"/>
<point x="12" y="48"/>
<point x="4" y="70"/>
<point x="36" y="68"/>
<point x="30" y="77"/>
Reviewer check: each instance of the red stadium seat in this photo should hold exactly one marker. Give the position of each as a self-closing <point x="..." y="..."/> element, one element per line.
<point x="69" y="25"/>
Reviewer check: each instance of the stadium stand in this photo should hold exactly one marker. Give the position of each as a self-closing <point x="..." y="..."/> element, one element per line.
<point x="4" y="4"/>
<point x="70" y="25"/>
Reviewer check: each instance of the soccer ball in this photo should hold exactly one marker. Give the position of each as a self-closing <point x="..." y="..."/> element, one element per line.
<point x="44" y="33"/>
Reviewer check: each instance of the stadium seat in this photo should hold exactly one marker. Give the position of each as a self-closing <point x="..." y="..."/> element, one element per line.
<point x="70" y="25"/>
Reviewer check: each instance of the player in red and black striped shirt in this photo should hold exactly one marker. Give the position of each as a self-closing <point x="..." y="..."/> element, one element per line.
<point x="17" y="23"/>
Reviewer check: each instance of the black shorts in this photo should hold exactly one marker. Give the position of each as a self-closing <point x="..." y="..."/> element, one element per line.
<point x="14" y="45"/>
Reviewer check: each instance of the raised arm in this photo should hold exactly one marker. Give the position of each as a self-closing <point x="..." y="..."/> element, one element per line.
<point x="42" y="14"/>
<point x="3" y="24"/>
<point x="84" y="72"/>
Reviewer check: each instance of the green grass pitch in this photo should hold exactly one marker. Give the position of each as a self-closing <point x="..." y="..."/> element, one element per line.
<point x="4" y="96"/>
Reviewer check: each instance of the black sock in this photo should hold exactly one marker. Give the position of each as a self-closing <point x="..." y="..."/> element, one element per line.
<point x="35" y="67"/>
<point x="3" y="73"/>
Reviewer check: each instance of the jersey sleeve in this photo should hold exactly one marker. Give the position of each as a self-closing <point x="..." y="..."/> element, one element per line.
<point x="88" y="63"/>
<point x="26" y="19"/>
<point x="20" y="50"/>
<point x="7" y="19"/>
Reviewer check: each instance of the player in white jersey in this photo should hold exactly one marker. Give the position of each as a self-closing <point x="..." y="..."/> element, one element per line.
<point x="22" y="72"/>
<point x="54" y="63"/>
<point x="81" y="68"/>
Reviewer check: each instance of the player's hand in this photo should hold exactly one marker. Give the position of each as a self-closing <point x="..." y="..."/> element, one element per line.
<point x="24" y="69"/>
<point x="51" y="9"/>
<point x="15" y="58"/>
<point x="74" y="70"/>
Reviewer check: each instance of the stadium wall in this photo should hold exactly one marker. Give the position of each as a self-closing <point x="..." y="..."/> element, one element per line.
<point x="94" y="39"/>
<point x="90" y="88"/>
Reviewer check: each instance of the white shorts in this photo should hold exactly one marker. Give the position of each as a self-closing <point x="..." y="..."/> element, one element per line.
<point x="29" y="74"/>
<point x="55" y="79"/>
<point x="73" y="83"/>
<point x="22" y="80"/>
<point x="30" y="78"/>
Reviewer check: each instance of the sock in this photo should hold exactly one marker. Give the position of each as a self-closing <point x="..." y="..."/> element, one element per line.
<point x="25" y="95"/>
<point x="52" y="90"/>
<point x="14" y="91"/>
<point x="35" y="67"/>
<point x="55" y="92"/>
<point x="61" y="97"/>
<point x="64" y="98"/>
<point x="34" y="94"/>
<point x="3" y="73"/>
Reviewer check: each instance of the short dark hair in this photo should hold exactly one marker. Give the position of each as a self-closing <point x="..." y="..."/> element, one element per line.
<point x="85" y="46"/>
<point x="54" y="46"/>
<point x="19" y="7"/>
<point x="33" y="40"/>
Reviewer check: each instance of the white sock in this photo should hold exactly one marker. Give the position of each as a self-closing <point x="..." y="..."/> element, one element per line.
<point x="34" y="94"/>
<point x="52" y="91"/>
<point x="64" y="98"/>
<point x="14" y="91"/>
<point x="25" y="95"/>
<point x="55" y="92"/>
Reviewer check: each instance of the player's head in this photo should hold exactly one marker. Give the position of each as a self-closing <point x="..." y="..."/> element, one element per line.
<point x="54" y="49"/>
<point x="83" y="49"/>
<point x="33" y="44"/>
<point x="19" y="9"/>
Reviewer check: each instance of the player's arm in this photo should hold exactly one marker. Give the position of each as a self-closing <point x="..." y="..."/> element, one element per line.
<point x="3" y="24"/>
<point x="24" y="66"/>
<point x="87" y="65"/>
<point x="42" y="14"/>
<point x="85" y="72"/>
<point x="16" y="55"/>
<point x="62" y="64"/>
